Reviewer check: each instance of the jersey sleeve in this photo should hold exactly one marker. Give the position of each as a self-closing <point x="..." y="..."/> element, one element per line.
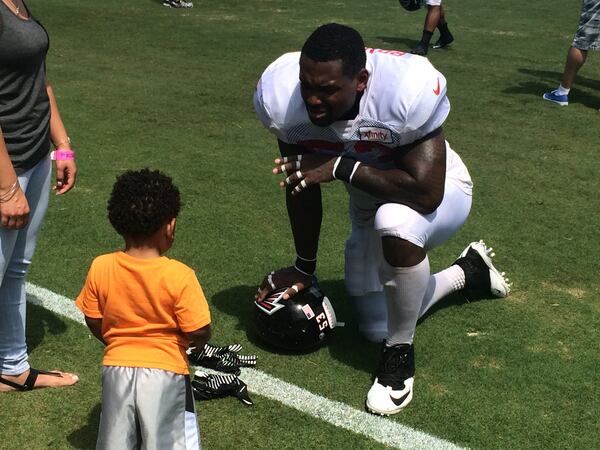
<point x="277" y="97"/>
<point x="191" y="307"/>
<point x="88" y="299"/>
<point x="261" y="109"/>
<point x="406" y="93"/>
<point x="429" y="108"/>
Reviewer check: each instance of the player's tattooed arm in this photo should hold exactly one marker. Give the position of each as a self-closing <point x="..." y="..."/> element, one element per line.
<point x="419" y="180"/>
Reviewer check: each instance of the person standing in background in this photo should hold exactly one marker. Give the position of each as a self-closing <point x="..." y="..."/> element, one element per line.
<point x="435" y="19"/>
<point x="586" y="38"/>
<point x="29" y="123"/>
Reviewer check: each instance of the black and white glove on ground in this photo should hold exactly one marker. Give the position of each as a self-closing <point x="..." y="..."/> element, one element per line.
<point x="208" y="386"/>
<point x="224" y="359"/>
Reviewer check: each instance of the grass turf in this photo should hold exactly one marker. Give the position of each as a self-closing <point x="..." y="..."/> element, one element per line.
<point x="143" y="85"/>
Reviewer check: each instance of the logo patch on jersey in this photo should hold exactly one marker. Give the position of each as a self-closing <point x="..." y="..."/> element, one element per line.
<point x="437" y="90"/>
<point x="375" y="134"/>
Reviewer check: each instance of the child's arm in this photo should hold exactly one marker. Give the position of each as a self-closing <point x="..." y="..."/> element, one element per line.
<point x="200" y="337"/>
<point x="95" y="326"/>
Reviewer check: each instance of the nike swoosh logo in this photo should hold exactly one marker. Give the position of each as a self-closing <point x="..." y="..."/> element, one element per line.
<point x="398" y="401"/>
<point x="437" y="90"/>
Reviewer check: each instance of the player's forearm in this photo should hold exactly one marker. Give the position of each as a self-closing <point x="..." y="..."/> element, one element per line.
<point x="305" y="213"/>
<point x="398" y="186"/>
<point x="418" y="181"/>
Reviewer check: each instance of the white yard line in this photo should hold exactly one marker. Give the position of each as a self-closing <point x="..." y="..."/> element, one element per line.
<point x="380" y="429"/>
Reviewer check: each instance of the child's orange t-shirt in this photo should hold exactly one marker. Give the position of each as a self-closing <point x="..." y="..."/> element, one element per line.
<point x="146" y="306"/>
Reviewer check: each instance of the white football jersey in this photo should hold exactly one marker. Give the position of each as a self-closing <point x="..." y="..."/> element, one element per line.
<point x="405" y="100"/>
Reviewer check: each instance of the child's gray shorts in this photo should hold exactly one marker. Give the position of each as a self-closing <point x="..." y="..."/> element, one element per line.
<point x="148" y="409"/>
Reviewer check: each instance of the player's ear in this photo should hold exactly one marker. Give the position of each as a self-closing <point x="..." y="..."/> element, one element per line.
<point x="362" y="79"/>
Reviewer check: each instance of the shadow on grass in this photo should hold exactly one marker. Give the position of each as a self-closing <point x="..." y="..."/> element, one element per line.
<point x="346" y="344"/>
<point x="407" y="43"/>
<point x="546" y="80"/>
<point x="238" y="302"/>
<point x="39" y="322"/>
<point x="85" y="437"/>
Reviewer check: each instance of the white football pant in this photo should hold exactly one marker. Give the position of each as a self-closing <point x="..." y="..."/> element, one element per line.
<point x="410" y="292"/>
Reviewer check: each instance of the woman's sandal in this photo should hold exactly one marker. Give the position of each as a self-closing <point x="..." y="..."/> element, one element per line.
<point x="30" y="381"/>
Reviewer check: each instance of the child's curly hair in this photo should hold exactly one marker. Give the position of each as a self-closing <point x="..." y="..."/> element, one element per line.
<point x="142" y="201"/>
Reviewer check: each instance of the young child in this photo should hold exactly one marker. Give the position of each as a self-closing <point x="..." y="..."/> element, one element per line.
<point x="146" y="308"/>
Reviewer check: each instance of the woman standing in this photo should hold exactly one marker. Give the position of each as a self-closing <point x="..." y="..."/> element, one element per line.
<point x="29" y="123"/>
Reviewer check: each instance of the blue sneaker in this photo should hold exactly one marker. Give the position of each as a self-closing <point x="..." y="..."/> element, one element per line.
<point x="553" y="96"/>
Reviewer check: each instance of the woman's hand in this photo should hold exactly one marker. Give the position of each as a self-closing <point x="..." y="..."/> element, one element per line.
<point x="66" y="171"/>
<point x="14" y="213"/>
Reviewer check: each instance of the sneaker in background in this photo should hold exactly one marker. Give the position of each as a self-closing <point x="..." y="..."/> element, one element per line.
<point x="444" y="40"/>
<point x="420" y="49"/>
<point x="554" y="96"/>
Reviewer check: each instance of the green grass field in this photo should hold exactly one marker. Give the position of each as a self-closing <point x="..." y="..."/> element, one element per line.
<point x="142" y="85"/>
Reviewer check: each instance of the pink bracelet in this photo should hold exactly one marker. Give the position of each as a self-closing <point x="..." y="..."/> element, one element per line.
<point x="61" y="155"/>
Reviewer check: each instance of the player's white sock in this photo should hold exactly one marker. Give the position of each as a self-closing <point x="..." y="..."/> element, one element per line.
<point x="562" y="90"/>
<point x="441" y="284"/>
<point x="404" y="290"/>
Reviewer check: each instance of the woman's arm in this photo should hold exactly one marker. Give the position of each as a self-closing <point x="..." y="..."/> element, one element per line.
<point x="14" y="209"/>
<point x="66" y="169"/>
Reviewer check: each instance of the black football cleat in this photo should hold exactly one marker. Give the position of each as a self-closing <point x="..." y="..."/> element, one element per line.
<point x="444" y="40"/>
<point x="480" y="273"/>
<point x="420" y="49"/>
<point x="392" y="390"/>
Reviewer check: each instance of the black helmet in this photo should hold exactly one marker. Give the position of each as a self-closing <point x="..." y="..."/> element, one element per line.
<point x="411" y="5"/>
<point x="299" y="323"/>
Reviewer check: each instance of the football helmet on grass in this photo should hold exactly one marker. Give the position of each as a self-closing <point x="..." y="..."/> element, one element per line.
<point x="300" y="323"/>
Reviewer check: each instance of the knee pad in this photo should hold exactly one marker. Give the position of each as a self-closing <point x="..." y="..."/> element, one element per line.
<point x="371" y="315"/>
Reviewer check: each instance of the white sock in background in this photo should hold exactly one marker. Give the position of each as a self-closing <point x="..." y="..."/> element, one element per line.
<point x="562" y="90"/>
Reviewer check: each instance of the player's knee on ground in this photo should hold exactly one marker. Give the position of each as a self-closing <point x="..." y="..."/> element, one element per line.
<point x="362" y="257"/>
<point x="371" y="315"/>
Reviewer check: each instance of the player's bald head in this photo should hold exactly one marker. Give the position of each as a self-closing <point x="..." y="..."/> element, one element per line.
<point x="333" y="41"/>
